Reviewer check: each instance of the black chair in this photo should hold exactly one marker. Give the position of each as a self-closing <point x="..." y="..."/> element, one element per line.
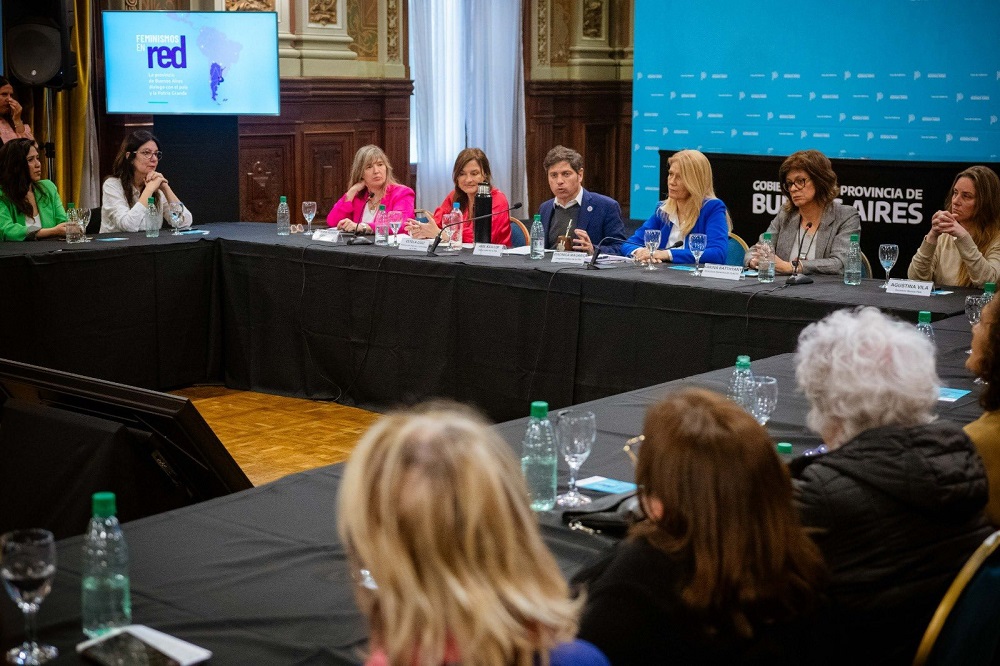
<point x="965" y="628"/>
<point x="94" y="226"/>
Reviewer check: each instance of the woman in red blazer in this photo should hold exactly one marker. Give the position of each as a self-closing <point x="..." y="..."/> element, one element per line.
<point x="371" y="184"/>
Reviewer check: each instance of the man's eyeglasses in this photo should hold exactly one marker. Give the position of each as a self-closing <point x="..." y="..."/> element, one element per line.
<point x="798" y="184"/>
<point x="151" y="153"/>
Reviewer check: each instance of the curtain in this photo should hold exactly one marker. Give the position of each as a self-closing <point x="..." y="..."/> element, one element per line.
<point x="468" y="87"/>
<point x="74" y="130"/>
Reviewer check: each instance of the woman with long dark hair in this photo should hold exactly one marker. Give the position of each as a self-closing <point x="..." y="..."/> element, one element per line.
<point x="134" y="179"/>
<point x="30" y="208"/>
<point x="11" y="125"/>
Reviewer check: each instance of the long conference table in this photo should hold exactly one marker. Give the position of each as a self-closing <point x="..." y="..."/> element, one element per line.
<point x="260" y="577"/>
<point x="374" y="326"/>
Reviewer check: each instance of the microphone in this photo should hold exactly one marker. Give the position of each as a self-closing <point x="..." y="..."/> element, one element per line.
<point x="796" y="277"/>
<point x="597" y="250"/>
<point x="437" y="239"/>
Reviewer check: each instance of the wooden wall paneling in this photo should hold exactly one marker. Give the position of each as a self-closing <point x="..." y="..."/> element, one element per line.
<point x="327" y="167"/>
<point x="265" y="174"/>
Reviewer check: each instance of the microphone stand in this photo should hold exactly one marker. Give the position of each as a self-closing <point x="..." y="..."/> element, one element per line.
<point x="592" y="264"/>
<point x="437" y="239"/>
<point x="796" y="277"/>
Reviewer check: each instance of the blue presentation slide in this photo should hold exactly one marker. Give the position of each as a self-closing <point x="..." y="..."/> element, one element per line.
<point x="914" y="80"/>
<point x="191" y="62"/>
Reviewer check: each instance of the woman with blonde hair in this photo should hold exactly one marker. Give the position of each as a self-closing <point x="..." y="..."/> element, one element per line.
<point x="691" y="207"/>
<point x="434" y="514"/>
<point x="962" y="247"/>
<point x="812" y="232"/>
<point x="371" y="184"/>
<point x="720" y="571"/>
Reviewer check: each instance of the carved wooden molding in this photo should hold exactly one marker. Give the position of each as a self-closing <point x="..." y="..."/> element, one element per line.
<point x="593" y="19"/>
<point x="543" y="32"/>
<point x="362" y="26"/>
<point x="323" y="12"/>
<point x="249" y="5"/>
<point x="392" y="30"/>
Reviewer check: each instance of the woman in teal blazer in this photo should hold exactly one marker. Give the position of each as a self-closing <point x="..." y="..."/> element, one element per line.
<point x="30" y="208"/>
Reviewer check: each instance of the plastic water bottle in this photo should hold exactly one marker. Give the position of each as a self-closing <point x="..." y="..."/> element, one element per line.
<point x="765" y="259"/>
<point x="537" y="239"/>
<point x="106" y="601"/>
<point x="380" y="225"/>
<point x="538" y="458"/>
<point x="924" y="324"/>
<point x="989" y="290"/>
<point x="73" y="229"/>
<point x="284" y="218"/>
<point x="853" y="269"/>
<point x="741" y="385"/>
<point x="153" y="220"/>
<point x="457" y="231"/>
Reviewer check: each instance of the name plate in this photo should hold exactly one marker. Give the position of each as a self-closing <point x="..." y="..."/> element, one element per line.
<point x="578" y="258"/>
<point x="910" y="287"/>
<point x="326" y="235"/>
<point x="722" y="271"/>
<point x="489" y="249"/>
<point x="415" y="244"/>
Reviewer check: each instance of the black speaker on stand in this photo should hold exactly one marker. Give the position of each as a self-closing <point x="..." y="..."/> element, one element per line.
<point x="39" y="46"/>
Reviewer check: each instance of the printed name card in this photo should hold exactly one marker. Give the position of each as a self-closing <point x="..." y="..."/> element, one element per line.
<point x="722" y="271"/>
<point x="415" y="244"/>
<point x="578" y="258"/>
<point x="326" y="235"/>
<point x="951" y="394"/>
<point x="488" y="249"/>
<point x="605" y="485"/>
<point x="909" y="287"/>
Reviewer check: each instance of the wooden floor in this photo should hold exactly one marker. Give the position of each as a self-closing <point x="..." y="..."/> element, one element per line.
<point x="271" y="436"/>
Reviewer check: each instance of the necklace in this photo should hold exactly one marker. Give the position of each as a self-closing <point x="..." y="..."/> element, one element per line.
<point x="374" y="200"/>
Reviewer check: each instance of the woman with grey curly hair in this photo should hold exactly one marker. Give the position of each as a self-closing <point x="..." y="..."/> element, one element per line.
<point x="896" y="504"/>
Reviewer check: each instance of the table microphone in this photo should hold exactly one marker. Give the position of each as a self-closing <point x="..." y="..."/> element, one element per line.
<point x="437" y="239"/>
<point x="796" y="277"/>
<point x="597" y="251"/>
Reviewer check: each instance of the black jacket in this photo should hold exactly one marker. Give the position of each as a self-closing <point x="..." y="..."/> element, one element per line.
<point x="897" y="512"/>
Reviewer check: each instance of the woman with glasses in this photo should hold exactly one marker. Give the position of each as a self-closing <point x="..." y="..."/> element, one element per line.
<point x="371" y="184"/>
<point x="962" y="247"/>
<point x="691" y="207"/>
<point x="30" y="208"/>
<point x="720" y="571"/>
<point x="447" y="556"/>
<point x="811" y="231"/>
<point x="133" y="180"/>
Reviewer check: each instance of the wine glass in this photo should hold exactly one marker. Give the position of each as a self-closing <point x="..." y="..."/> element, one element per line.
<point x="652" y="240"/>
<point x="973" y="310"/>
<point x="395" y="222"/>
<point x="175" y="209"/>
<point x="576" y="431"/>
<point x="309" y="212"/>
<point x="83" y="215"/>
<point x="887" y="256"/>
<point x="765" y="398"/>
<point x="697" y="244"/>
<point x="27" y="566"/>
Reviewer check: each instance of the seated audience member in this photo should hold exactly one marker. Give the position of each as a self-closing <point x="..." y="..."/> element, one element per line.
<point x="962" y="247"/>
<point x="11" y="125"/>
<point x="720" y="571"/>
<point x="133" y="180"/>
<point x="471" y="168"/>
<point x="984" y="362"/>
<point x="691" y="207"/>
<point x="576" y="213"/>
<point x="30" y="208"/>
<point x="811" y="228"/>
<point x="896" y="503"/>
<point x="451" y="567"/>
<point x="371" y="184"/>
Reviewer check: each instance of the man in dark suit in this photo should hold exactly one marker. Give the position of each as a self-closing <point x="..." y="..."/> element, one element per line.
<point x="575" y="215"/>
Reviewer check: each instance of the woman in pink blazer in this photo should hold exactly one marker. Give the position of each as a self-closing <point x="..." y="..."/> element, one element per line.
<point x="371" y="184"/>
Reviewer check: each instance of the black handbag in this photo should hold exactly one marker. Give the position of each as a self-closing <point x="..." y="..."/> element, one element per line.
<point x="610" y="516"/>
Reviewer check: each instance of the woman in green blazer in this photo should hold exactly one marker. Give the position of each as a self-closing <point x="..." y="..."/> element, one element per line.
<point x="30" y="208"/>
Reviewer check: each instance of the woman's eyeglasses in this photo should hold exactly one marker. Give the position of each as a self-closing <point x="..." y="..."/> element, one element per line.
<point x="797" y="184"/>
<point x="152" y="153"/>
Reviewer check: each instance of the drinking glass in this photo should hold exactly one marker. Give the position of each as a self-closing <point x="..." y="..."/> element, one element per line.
<point x="84" y="217"/>
<point x="395" y="222"/>
<point x="697" y="244"/>
<point x="27" y="566"/>
<point x="973" y="310"/>
<point x="576" y="431"/>
<point x="887" y="256"/>
<point x="309" y="212"/>
<point x="765" y="398"/>
<point x="652" y="240"/>
<point x="175" y="209"/>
